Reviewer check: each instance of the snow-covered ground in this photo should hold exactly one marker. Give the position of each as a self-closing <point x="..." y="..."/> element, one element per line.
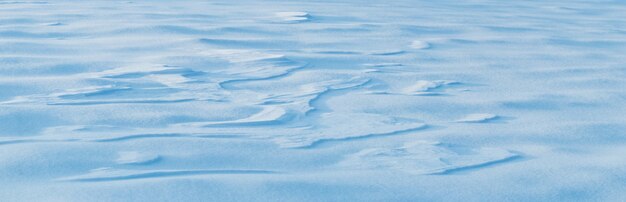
<point x="343" y="100"/>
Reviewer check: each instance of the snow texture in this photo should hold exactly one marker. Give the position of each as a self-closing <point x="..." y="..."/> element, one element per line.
<point x="407" y="100"/>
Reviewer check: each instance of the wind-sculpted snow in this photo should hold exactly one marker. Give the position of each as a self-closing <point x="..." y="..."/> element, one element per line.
<point x="312" y="100"/>
<point x="108" y="174"/>
<point x="478" y="118"/>
<point x="426" y="158"/>
<point x="293" y="16"/>
<point x="134" y="157"/>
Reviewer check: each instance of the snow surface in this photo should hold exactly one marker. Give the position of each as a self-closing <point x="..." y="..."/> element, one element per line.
<point x="345" y="100"/>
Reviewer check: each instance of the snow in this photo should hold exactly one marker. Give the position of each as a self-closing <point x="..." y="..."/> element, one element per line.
<point x="279" y="100"/>
<point x="294" y="16"/>
<point x="478" y="118"/>
<point x="419" y="44"/>
<point x="134" y="157"/>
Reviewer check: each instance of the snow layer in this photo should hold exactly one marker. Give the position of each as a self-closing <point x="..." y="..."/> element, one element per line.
<point x="277" y="100"/>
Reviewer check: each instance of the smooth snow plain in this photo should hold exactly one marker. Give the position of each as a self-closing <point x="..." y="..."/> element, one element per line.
<point x="404" y="100"/>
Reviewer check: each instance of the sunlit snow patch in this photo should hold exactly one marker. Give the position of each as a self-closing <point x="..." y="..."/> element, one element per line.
<point x="293" y="16"/>
<point x="478" y="118"/>
<point x="419" y="44"/>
